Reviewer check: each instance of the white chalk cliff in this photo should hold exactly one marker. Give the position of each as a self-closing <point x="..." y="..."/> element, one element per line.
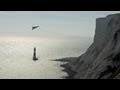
<point x="102" y="58"/>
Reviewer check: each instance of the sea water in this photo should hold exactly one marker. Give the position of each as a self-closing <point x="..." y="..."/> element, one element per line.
<point x="16" y="55"/>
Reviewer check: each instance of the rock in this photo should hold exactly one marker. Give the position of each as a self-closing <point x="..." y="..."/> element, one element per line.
<point x="102" y="58"/>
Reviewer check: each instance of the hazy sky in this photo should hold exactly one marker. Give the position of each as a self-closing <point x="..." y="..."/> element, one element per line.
<point x="52" y="23"/>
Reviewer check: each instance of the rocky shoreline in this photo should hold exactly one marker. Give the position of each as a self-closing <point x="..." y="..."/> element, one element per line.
<point x="66" y="67"/>
<point x="102" y="59"/>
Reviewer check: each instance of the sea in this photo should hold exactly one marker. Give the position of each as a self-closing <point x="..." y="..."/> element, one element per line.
<point x="16" y="55"/>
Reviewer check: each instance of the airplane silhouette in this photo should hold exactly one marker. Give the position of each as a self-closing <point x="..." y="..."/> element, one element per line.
<point x="34" y="27"/>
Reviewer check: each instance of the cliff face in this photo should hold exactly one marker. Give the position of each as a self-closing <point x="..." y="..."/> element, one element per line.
<point x="102" y="59"/>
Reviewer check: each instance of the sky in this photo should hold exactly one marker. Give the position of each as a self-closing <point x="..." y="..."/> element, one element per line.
<point x="52" y="23"/>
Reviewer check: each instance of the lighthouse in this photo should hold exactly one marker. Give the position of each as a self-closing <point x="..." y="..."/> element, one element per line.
<point x="34" y="55"/>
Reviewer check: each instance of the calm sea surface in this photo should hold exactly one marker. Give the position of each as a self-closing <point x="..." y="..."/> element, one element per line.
<point x="16" y="56"/>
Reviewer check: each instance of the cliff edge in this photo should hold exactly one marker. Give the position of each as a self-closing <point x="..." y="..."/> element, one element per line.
<point x="102" y="58"/>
